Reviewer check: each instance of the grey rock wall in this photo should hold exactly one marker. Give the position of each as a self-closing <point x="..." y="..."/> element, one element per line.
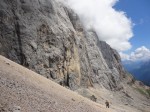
<point x="48" y="37"/>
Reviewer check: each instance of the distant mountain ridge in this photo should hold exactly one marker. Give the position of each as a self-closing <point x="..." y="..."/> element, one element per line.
<point x="139" y="69"/>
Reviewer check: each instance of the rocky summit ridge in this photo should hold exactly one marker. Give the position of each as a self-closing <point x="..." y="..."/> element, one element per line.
<point x="46" y="36"/>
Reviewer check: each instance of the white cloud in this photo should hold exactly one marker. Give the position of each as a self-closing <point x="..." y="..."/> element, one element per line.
<point x="140" y="54"/>
<point x="124" y="56"/>
<point x="111" y="26"/>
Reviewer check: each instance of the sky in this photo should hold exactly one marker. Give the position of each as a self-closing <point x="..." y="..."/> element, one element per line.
<point x="139" y="12"/>
<point x="123" y="24"/>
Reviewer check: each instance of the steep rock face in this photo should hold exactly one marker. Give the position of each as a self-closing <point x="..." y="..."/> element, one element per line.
<point x="47" y="37"/>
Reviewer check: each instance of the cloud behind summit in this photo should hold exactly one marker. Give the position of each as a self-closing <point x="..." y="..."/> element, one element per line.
<point x="111" y="25"/>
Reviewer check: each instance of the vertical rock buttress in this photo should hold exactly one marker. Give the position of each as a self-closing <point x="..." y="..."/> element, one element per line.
<point x="48" y="37"/>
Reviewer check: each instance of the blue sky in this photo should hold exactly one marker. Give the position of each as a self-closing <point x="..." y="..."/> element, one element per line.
<point x="139" y="12"/>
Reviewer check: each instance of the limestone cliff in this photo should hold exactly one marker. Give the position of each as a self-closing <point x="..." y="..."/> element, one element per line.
<point x="48" y="37"/>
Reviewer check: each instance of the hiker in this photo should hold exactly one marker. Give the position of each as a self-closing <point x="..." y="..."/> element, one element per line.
<point x="93" y="98"/>
<point x="107" y="104"/>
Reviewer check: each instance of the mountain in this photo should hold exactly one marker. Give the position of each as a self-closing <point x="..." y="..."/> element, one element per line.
<point x="140" y="70"/>
<point x="47" y="37"/>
